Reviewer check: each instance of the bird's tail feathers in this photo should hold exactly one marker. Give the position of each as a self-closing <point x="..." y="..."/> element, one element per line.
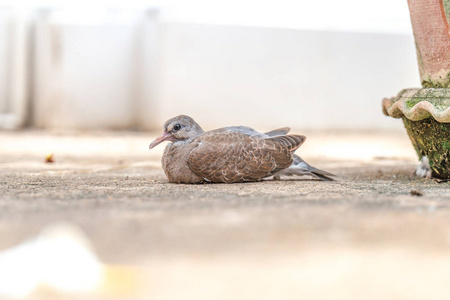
<point x="322" y="175"/>
<point x="300" y="168"/>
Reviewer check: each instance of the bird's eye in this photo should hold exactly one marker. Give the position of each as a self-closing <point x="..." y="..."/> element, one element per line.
<point x="176" y="127"/>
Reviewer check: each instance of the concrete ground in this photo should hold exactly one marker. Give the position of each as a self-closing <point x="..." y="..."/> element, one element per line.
<point x="363" y="236"/>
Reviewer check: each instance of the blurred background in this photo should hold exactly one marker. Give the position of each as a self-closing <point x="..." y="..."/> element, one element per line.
<point x="132" y="64"/>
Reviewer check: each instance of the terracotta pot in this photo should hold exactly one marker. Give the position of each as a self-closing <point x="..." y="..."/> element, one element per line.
<point x="426" y="112"/>
<point x="430" y="22"/>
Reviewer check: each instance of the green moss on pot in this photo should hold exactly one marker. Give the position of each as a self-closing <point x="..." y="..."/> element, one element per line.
<point x="432" y="139"/>
<point x="438" y="83"/>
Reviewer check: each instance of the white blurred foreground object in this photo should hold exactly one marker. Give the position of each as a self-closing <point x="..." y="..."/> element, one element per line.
<point x="61" y="260"/>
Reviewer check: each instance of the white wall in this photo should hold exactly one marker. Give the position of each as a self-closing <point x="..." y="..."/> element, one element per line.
<point x="275" y="77"/>
<point x="86" y="75"/>
<point x="4" y="36"/>
<point x="122" y="71"/>
<point x="14" y="68"/>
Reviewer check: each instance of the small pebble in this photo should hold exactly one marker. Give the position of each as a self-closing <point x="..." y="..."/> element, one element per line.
<point x="416" y="193"/>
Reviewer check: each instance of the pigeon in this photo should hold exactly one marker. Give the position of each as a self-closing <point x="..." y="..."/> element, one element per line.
<point x="230" y="154"/>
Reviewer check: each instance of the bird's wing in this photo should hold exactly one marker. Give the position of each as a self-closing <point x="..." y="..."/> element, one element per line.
<point x="279" y="131"/>
<point x="235" y="157"/>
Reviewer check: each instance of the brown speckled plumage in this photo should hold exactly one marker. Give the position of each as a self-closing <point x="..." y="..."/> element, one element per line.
<point x="228" y="155"/>
<point x="225" y="156"/>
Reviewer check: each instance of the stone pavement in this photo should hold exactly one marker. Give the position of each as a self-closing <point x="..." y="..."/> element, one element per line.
<point x="363" y="236"/>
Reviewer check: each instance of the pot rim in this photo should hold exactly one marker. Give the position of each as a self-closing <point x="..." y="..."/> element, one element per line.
<point x="418" y="104"/>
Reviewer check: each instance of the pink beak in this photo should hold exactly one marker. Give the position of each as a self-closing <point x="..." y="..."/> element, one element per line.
<point x="163" y="137"/>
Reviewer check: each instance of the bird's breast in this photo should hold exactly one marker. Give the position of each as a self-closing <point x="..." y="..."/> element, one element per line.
<point x="175" y="164"/>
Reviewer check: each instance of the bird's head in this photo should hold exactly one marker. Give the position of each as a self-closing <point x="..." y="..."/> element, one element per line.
<point x="179" y="128"/>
